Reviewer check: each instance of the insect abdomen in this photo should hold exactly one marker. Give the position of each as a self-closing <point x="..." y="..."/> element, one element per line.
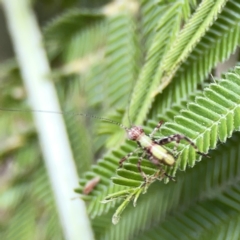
<point x="162" y="155"/>
<point x="158" y="152"/>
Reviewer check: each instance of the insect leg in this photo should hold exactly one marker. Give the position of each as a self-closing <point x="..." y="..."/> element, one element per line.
<point x="127" y="156"/>
<point x="177" y="138"/>
<point x="156" y="162"/>
<point x="156" y="129"/>
<point x="139" y="166"/>
<point x="169" y="139"/>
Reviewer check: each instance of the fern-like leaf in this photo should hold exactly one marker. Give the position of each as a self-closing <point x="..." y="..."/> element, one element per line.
<point x="216" y="46"/>
<point x="203" y="18"/>
<point x="204" y="122"/>
<point x="59" y="31"/>
<point x="166" y="30"/>
<point x="208" y="219"/>
<point x="204" y="181"/>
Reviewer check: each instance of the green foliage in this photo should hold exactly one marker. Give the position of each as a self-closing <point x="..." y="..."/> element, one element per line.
<point x="142" y="65"/>
<point x="62" y="29"/>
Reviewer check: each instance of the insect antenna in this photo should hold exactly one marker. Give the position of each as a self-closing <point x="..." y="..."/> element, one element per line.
<point x="69" y="113"/>
<point x="213" y="79"/>
<point x="128" y="114"/>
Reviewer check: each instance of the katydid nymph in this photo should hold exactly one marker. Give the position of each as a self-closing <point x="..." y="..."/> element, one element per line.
<point x="151" y="147"/>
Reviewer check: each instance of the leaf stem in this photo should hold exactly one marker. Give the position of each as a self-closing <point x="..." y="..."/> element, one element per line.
<point x="35" y="70"/>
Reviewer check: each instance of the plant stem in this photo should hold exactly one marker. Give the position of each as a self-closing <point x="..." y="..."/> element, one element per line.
<point x="32" y="59"/>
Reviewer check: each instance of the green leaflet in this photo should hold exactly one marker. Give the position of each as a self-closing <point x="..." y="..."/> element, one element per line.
<point x="215" y="46"/>
<point x="60" y="30"/>
<point x="210" y="219"/>
<point x="212" y="116"/>
<point x="204" y="122"/>
<point x="192" y="32"/>
<point x="166" y="30"/>
<point x="161" y="69"/>
<point x="120" y="60"/>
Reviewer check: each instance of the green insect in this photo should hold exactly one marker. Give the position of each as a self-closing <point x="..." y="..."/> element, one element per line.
<point x="153" y="148"/>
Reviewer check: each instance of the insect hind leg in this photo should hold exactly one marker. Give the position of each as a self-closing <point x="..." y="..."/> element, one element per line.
<point x="122" y="160"/>
<point x="138" y="163"/>
<point x="156" y="162"/>
<point x="139" y="166"/>
<point x="152" y="159"/>
<point x="177" y="138"/>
